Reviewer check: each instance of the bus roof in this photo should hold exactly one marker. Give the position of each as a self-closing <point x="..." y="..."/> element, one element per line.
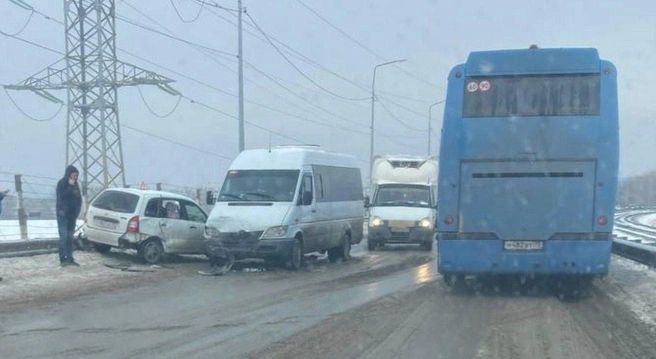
<point x="533" y="61"/>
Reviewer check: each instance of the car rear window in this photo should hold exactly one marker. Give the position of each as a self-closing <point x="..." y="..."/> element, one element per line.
<point x="117" y="202"/>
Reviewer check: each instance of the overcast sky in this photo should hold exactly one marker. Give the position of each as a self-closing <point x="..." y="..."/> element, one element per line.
<point x="432" y="35"/>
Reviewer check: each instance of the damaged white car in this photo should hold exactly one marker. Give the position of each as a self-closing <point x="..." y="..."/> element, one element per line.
<point x="152" y="222"/>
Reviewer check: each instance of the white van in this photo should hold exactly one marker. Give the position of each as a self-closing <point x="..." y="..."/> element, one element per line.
<point x="284" y="202"/>
<point x="403" y="205"/>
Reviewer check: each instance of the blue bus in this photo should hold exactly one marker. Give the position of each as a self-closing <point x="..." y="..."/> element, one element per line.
<point x="528" y="165"/>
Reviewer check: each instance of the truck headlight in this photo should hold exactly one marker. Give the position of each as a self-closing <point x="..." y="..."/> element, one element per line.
<point x="212" y="232"/>
<point x="425" y="223"/>
<point x="376" y="222"/>
<point x="275" y="232"/>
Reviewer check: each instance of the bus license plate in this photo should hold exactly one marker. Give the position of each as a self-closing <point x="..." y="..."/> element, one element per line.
<point x="523" y="245"/>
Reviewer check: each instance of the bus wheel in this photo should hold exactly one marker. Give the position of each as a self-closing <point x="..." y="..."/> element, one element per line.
<point x="427" y="245"/>
<point x="455" y="281"/>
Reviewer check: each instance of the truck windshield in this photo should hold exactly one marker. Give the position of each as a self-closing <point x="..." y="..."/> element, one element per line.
<point x="403" y="195"/>
<point x="259" y="185"/>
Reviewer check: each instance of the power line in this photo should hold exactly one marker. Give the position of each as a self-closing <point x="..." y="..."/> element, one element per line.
<point x="176" y="142"/>
<point x="222" y="91"/>
<point x="295" y="53"/>
<point x="213" y="4"/>
<point x="61" y="105"/>
<point x="200" y="10"/>
<point x="155" y="113"/>
<point x="259" y="71"/>
<point x="22" y="28"/>
<point x="274" y="132"/>
<point x="405" y="108"/>
<point x="298" y="69"/>
<point x="214" y="88"/>
<point x="397" y="119"/>
<point x="221" y="64"/>
<point x="134" y="23"/>
<point x="363" y="46"/>
<point x="255" y="83"/>
<point x="303" y="98"/>
<point x="48" y="17"/>
<point x="37" y="45"/>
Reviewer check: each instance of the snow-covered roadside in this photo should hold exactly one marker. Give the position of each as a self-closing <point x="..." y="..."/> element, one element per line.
<point x="648" y="220"/>
<point x="41" y="280"/>
<point x="36" y="229"/>
<point x="632" y="285"/>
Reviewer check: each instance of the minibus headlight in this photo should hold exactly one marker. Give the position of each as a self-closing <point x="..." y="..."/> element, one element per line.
<point x="275" y="232"/>
<point x="376" y="222"/>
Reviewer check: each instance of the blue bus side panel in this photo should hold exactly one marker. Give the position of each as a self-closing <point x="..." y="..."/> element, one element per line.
<point x="558" y="257"/>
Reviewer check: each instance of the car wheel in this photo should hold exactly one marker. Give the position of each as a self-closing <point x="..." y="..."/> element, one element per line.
<point x="295" y="256"/>
<point x="102" y="248"/>
<point x="151" y="251"/>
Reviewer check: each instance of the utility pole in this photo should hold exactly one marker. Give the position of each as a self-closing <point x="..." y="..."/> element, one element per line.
<point x="91" y="76"/>
<point x="241" y="77"/>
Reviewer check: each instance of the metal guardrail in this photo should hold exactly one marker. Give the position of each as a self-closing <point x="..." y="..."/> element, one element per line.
<point x="641" y="253"/>
<point x="635" y="250"/>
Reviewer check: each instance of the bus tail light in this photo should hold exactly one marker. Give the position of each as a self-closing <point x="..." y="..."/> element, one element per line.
<point x="602" y="220"/>
<point x="448" y="220"/>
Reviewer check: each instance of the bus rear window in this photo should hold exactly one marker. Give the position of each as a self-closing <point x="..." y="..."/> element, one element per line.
<point x="534" y="95"/>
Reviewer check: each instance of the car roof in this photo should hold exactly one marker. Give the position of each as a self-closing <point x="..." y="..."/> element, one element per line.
<point x="149" y="193"/>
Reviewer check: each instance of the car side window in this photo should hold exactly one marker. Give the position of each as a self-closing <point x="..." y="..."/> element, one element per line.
<point x="152" y="208"/>
<point x="170" y="209"/>
<point x="194" y="213"/>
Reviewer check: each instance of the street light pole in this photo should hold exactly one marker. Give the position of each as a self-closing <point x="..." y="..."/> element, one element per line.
<point x="241" y="77"/>
<point x="430" y="128"/>
<point x="373" y="99"/>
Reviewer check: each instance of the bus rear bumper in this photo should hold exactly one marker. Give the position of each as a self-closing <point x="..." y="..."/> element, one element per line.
<point x="591" y="257"/>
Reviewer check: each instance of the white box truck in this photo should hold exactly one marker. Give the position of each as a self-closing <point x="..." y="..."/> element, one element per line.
<point x="284" y="202"/>
<point x="402" y="206"/>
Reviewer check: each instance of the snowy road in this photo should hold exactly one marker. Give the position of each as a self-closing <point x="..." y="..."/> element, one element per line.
<point x="385" y="304"/>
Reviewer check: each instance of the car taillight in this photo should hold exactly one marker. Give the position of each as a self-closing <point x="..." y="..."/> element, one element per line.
<point x="602" y="220"/>
<point x="448" y="220"/>
<point x="133" y="225"/>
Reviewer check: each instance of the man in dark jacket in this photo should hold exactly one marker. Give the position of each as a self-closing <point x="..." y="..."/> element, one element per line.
<point x="2" y="196"/>
<point x="69" y="204"/>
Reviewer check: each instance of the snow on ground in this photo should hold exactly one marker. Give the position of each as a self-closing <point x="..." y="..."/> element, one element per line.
<point x="36" y="229"/>
<point x="40" y="279"/>
<point x="633" y="285"/>
<point x="648" y="219"/>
